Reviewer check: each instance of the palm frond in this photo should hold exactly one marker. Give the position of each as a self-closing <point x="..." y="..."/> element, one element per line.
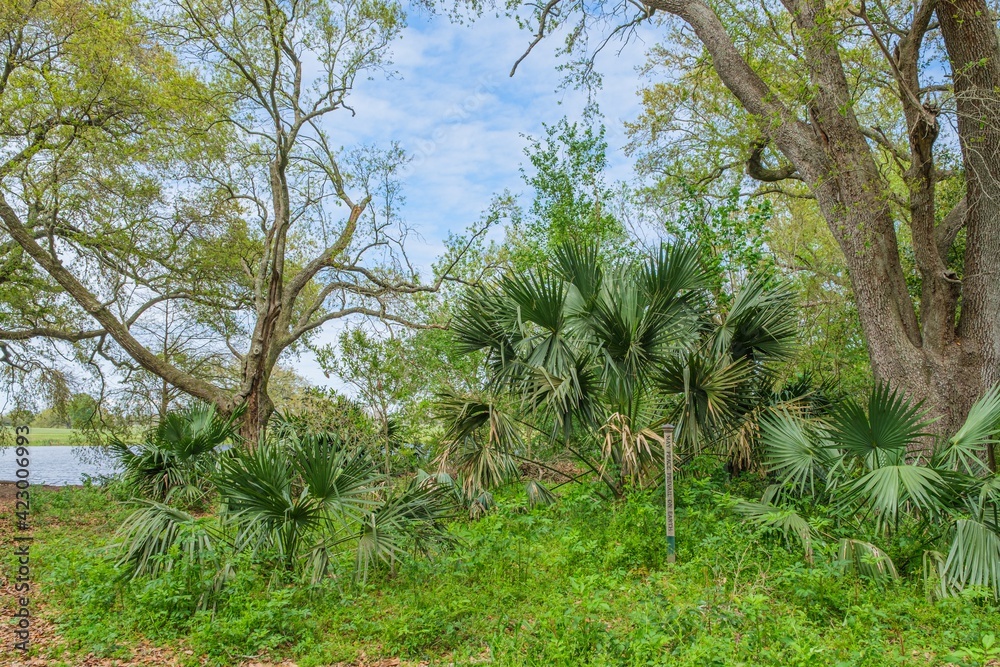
<point x="866" y="560"/>
<point x="673" y="271"/>
<point x="632" y="450"/>
<point x="149" y="535"/>
<point x="781" y="519"/>
<point x="794" y="451"/>
<point x="710" y="394"/>
<point x="888" y="489"/>
<point x="409" y="517"/>
<point x="973" y="559"/>
<point x="966" y="450"/>
<point x="881" y="436"/>
<point x="538" y="494"/>
<point x="481" y="438"/>
<point x="762" y="323"/>
<point x="175" y="459"/>
<point x="539" y="298"/>
<point x="339" y="478"/>
<point x="579" y="265"/>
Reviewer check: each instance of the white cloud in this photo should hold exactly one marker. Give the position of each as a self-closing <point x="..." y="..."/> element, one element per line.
<point x="454" y="108"/>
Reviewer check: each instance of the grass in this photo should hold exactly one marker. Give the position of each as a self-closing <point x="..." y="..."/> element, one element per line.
<point x="583" y="582"/>
<point x="39" y="437"/>
<point x="42" y="437"/>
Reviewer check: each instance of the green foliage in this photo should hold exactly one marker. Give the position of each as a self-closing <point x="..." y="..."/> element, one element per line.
<point x="299" y="502"/>
<point x="980" y="655"/>
<point x="731" y="235"/>
<point x="596" y="354"/>
<point x="571" y="200"/>
<point x="81" y="410"/>
<point x="572" y="347"/>
<point x="176" y="457"/>
<point x="880" y="484"/>
<point x="576" y="583"/>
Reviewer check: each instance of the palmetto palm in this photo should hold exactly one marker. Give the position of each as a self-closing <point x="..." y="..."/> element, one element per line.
<point x="299" y="500"/>
<point x="176" y="458"/>
<point x="860" y="461"/>
<point x="591" y="354"/>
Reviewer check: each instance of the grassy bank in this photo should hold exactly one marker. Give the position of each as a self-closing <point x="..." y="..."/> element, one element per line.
<point x="40" y="437"/>
<point x="583" y="582"/>
<point x="43" y="437"/>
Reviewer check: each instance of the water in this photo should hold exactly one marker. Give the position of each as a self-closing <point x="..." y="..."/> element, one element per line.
<point x="55" y="465"/>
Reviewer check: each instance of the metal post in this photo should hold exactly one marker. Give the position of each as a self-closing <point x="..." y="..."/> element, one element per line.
<point x="668" y="483"/>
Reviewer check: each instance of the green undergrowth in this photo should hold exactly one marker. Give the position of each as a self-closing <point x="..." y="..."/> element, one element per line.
<point x="583" y="582"/>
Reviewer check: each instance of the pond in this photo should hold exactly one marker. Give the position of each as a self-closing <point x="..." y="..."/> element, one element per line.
<point x="54" y="465"/>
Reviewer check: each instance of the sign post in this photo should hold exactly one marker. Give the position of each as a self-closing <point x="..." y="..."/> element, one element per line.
<point x="668" y="483"/>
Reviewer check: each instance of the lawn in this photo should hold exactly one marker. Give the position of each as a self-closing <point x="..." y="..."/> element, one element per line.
<point x="53" y="436"/>
<point x="42" y="437"/>
<point x="583" y="582"/>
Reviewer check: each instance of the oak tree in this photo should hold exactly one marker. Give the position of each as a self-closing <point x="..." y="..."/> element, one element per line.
<point x="856" y="103"/>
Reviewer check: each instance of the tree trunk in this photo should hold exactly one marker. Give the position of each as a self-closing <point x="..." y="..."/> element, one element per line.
<point x="930" y="359"/>
<point x="970" y="38"/>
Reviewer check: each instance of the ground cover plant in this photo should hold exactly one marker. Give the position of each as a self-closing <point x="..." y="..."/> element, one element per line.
<point x="896" y="491"/>
<point x="792" y="311"/>
<point x="575" y="583"/>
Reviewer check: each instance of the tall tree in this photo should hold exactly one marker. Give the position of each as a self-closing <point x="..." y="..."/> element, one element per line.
<point x="128" y="180"/>
<point x="802" y="80"/>
<point x="571" y="197"/>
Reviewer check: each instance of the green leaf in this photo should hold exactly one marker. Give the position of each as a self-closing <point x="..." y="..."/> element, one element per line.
<point x="882" y="436"/>
<point x="866" y="560"/>
<point x="973" y="559"/>
<point x="786" y="521"/>
<point x="793" y="451"/>
<point x="966" y="450"/>
<point x="888" y="489"/>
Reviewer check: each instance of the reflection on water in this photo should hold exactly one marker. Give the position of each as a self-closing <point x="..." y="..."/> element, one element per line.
<point x="56" y="465"/>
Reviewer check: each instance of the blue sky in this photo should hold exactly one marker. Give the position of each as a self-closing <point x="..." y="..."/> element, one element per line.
<point x="453" y="107"/>
<point x="461" y="118"/>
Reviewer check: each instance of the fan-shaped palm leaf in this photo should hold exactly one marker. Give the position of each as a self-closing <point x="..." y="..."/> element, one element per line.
<point x="794" y="451"/>
<point x="867" y="560"/>
<point x="150" y="533"/>
<point x="538" y="494"/>
<point x="338" y="477"/>
<point x="761" y="324"/>
<point x="674" y="271"/>
<point x="966" y="450"/>
<point x="973" y="559"/>
<point x="880" y="437"/>
<point x="176" y="457"/>
<point x="709" y="390"/>
<point x="410" y="516"/>
<point x="887" y="489"/>
<point x="579" y="265"/>
<point x="481" y="440"/>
